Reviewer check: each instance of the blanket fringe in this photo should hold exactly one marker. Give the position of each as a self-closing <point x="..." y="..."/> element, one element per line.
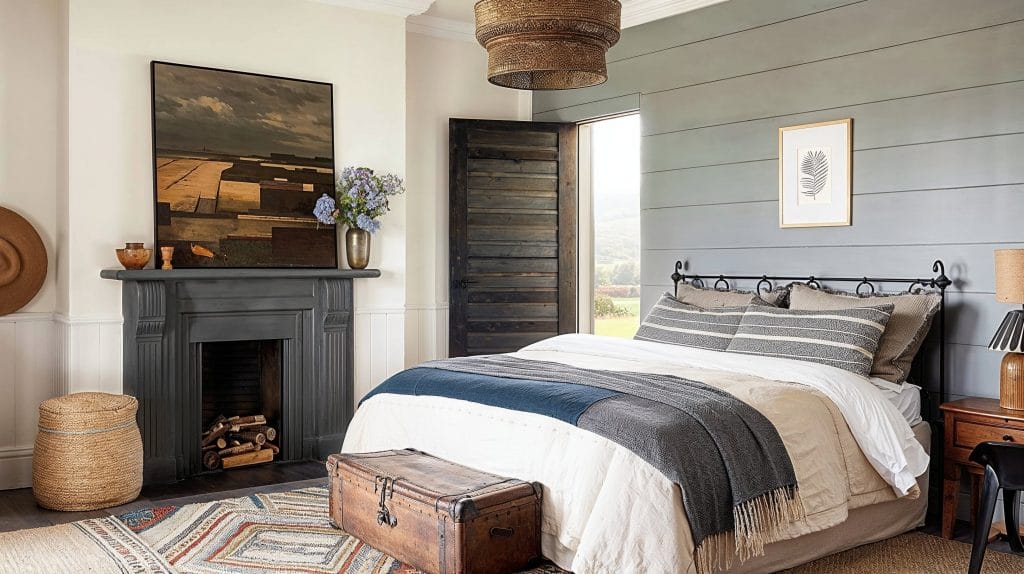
<point x="758" y="522"/>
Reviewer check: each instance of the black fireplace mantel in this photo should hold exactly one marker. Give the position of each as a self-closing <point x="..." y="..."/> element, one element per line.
<point x="168" y="315"/>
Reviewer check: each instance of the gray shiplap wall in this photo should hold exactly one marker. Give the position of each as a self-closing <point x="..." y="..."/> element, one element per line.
<point x="936" y="91"/>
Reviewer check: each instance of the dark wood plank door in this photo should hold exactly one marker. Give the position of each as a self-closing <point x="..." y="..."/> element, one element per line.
<point x="512" y="234"/>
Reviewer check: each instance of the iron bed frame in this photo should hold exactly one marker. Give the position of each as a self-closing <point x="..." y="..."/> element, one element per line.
<point x="765" y="283"/>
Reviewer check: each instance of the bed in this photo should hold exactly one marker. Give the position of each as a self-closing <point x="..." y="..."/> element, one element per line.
<point x="859" y="453"/>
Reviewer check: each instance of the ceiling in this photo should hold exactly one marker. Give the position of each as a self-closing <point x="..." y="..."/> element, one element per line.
<point x="633" y="11"/>
<point x="452" y="9"/>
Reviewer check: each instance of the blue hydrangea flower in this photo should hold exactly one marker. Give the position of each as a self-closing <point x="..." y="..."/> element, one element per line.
<point x="324" y="210"/>
<point x="367" y="223"/>
<point x="362" y="198"/>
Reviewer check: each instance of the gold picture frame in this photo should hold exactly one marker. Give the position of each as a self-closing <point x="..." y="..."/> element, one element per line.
<point x="815" y="178"/>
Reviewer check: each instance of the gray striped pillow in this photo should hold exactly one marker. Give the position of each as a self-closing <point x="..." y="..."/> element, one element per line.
<point x="676" y="323"/>
<point x="843" y="338"/>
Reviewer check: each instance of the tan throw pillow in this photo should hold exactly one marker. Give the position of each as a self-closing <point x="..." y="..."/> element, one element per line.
<point x="706" y="298"/>
<point x="906" y="331"/>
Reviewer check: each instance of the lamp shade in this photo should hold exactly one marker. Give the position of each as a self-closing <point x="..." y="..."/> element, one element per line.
<point x="1010" y="275"/>
<point x="1010" y="336"/>
<point x="545" y="44"/>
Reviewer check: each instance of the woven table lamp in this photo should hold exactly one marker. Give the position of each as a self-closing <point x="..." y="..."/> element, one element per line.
<point x="1010" y="336"/>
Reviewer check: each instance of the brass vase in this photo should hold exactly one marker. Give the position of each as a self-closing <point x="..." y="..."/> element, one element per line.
<point x="357" y="248"/>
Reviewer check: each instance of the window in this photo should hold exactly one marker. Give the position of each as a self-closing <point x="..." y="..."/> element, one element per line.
<point x="610" y="226"/>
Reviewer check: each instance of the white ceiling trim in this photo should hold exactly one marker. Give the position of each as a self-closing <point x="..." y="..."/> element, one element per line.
<point x="636" y="12"/>
<point x="403" y="8"/>
<point x="441" y="28"/>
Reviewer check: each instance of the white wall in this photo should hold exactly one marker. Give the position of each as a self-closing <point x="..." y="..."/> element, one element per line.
<point x="28" y="183"/>
<point x="28" y="124"/>
<point x="446" y="78"/>
<point x="75" y="159"/>
<point x="110" y="46"/>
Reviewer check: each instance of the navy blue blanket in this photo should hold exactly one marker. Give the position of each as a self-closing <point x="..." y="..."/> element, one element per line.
<point x="562" y="401"/>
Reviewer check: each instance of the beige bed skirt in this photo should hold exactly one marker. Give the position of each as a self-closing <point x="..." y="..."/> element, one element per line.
<point x="864" y="526"/>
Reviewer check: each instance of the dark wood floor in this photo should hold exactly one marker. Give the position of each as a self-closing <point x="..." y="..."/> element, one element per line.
<point x="19" y="510"/>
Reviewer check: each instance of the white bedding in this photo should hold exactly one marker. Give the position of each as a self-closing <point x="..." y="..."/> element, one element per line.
<point x="907" y="401"/>
<point x="605" y="509"/>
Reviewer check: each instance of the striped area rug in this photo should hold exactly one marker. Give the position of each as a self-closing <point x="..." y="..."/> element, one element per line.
<point x="289" y="533"/>
<point x="261" y="533"/>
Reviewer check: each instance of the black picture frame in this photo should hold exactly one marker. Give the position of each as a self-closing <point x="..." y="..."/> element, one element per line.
<point x="308" y="244"/>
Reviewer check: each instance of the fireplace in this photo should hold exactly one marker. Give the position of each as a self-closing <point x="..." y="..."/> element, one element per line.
<point x="241" y="402"/>
<point x="198" y="342"/>
<point x="242" y="378"/>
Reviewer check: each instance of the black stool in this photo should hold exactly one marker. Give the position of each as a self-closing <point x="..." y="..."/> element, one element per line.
<point x="1004" y="469"/>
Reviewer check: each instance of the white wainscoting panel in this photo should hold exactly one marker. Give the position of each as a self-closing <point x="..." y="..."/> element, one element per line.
<point x="379" y="346"/>
<point x="427" y="334"/>
<point x="91" y="360"/>
<point x="27" y="377"/>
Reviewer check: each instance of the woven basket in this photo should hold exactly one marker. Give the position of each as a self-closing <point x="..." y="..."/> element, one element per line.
<point x="88" y="452"/>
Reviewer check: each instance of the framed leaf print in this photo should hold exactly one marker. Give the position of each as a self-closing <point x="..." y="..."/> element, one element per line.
<point x="816" y="174"/>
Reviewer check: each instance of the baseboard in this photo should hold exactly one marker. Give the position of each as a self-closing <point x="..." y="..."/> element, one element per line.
<point x="15" y="467"/>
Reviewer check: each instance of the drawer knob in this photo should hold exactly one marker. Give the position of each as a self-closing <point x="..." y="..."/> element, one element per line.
<point x="1008" y="438"/>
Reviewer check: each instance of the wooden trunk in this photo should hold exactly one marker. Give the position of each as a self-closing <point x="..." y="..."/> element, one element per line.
<point x="435" y="515"/>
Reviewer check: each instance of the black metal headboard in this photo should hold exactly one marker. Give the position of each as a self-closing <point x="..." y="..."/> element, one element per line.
<point x="766" y="283"/>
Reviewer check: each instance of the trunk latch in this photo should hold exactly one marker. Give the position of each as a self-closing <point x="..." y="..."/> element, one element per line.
<point x="386" y="487"/>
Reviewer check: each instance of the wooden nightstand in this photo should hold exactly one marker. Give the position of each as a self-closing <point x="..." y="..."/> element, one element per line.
<point x="968" y="423"/>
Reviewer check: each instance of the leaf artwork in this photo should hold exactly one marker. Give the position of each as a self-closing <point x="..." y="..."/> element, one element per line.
<point x="814" y="169"/>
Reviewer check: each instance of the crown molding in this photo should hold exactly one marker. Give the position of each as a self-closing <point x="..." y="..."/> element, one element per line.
<point x="403" y="8"/>
<point x="636" y="12"/>
<point x="441" y="28"/>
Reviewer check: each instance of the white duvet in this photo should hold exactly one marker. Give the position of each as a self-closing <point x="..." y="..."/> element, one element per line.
<point x="605" y="509"/>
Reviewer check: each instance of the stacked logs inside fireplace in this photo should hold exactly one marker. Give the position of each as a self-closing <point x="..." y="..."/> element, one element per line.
<point x="232" y="442"/>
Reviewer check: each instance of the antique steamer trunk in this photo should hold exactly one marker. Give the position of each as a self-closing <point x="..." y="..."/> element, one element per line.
<point x="435" y="515"/>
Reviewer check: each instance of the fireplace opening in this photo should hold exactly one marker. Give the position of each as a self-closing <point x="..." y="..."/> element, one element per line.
<point x="241" y="401"/>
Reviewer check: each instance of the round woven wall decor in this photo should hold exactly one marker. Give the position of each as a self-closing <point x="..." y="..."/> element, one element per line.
<point x="547" y="44"/>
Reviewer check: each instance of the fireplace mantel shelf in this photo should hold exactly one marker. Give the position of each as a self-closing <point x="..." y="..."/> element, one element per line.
<point x="200" y="274"/>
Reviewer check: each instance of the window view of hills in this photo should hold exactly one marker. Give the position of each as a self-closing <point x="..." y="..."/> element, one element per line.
<point x="616" y="188"/>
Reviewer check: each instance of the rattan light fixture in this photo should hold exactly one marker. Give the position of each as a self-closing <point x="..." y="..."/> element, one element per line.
<point x="547" y="44"/>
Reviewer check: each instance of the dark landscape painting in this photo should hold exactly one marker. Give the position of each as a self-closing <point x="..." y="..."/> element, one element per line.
<point x="240" y="160"/>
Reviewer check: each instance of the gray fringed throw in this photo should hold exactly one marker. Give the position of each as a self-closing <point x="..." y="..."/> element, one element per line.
<point x="737" y="480"/>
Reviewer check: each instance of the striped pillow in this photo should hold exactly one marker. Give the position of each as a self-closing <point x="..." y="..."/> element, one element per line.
<point x="676" y="323"/>
<point x="843" y="338"/>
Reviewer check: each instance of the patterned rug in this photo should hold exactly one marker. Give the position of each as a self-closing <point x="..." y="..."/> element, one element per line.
<point x="262" y="533"/>
<point x="289" y="533"/>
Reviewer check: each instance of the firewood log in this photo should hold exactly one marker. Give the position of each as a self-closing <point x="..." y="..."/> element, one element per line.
<point x="242" y="448"/>
<point x="246" y="459"/>
<point x="215" y="433"/>
<point x="211" y="460"/>
<point x="246" y="420"/>
<point x="269" y="432"/>
<point x="251" y="436"/>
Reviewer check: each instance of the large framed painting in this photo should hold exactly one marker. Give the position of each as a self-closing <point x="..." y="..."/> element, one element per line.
<point x="816" y="174"/>
<point x="239" y="160"/>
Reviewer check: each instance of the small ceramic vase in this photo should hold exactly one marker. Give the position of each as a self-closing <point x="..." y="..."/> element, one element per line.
<point x="134" y="256"/>
<point x="167" y="253"/>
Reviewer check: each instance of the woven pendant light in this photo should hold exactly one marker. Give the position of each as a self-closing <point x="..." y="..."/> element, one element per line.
<point x="547" y="44"/>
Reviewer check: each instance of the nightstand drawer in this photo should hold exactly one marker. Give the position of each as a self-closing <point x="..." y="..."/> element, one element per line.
<point x="970" y="434"/>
